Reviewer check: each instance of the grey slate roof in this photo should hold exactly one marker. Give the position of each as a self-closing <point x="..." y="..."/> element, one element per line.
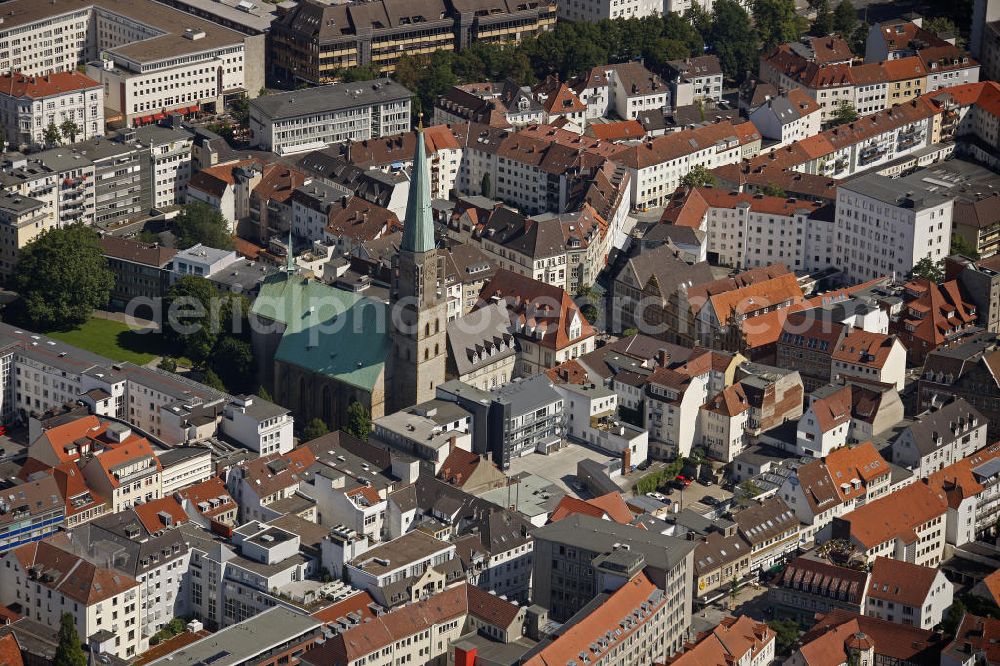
<point x="661" y="551"/>
<point x="668" y="269"/>
<point x="323" y="99"/>
<point x="924" y="426"/>
<point x="481" y="338"/>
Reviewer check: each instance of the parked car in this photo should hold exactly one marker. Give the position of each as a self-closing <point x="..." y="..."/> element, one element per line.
<point x="684" y="480"/>
<point x="708" y="500"/>
<point x="657" y="496"/>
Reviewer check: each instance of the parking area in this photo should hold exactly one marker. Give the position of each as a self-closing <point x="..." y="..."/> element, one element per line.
<point x="559" y="467"/>
<point x="692" y="493"/>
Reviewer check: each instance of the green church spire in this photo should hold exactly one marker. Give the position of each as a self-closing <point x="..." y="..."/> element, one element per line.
<point x="418" y="227"/>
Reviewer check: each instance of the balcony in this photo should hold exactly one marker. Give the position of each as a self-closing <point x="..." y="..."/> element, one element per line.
<point x="870" y="155"/>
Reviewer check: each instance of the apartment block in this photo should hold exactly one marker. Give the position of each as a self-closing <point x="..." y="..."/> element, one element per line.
<point x="313" y="41"/>
<point x="572" y="555"/>
<point x="916" y="534"/>
<point x="939" y="437"/>
<point x="47" y="579"/>
<point x="908" y="594"/>
<point x="30" y="104"/>
<point x="657" y="165"/>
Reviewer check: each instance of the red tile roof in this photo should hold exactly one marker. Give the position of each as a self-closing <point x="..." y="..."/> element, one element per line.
<point x="992" y="584"/>
<point x="533" y="304"/>
<point x="902" y="69"/>
<point x="824" y="644"/>
<point x="943" y="314"/>
<point x="688" y="207"/>
<point x="360" y="220"/>
<point x="148" y="514"/>
<point x="10" y="651"/>
<point x="73" y="576"/>
<point x="65" y="436"/>
<point x="982" y="636"/>
<point x="900" y="582"/>
<point x="896" y="516"/>
<point x="369" y="494"/>
<point x="359" y="602"/>
<point x="370" y="637"/>
<point x="568" y="372"/>
<point x="768" y="293"/>
<point x="206" y="491"/>
<point x="34" y="87"/>
<point x="459" y="466"/>
<point x="75" y="490"/>
<point x="685" y="142"/>
<point x="862" y="462"/>
<point x="610" y="506"/>
<point x="575" y="638"/>
<point x="733" y="641"/>
<point x="617" y="131"/>
<point x="957" y="480"/>
<point x="699" y="294"/>
<point x="861" y="347"/>
<point x="131" y="450"/>
<point x="264" y="481"/>
<point x="215" y="179"/>
<point x="730" y="401"/>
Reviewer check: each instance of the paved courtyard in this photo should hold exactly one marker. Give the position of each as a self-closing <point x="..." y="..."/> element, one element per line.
<point x="558" y="467"/>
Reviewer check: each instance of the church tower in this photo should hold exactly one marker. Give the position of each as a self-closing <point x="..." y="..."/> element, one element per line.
<point x="418" y="307"/>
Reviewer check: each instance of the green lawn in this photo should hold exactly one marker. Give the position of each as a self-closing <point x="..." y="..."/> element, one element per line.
<point x="115" y="340"/>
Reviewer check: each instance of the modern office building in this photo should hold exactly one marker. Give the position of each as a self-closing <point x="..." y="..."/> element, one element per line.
<point x="313" y="118"/>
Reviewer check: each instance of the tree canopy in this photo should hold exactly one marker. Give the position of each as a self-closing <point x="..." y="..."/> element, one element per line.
<point x="845" y="19"/>
<point x="359" y="421"/>
<point x="734" y="40"/>
<point x="51" y="135"/>
<point x="845" y="113"/>
<point x="786" y="633"/>
<point x="69" y="651"/>
<point x="69" y="129"/>
<point x="568" y="50"/>
<point x="699" y="176"/>
<point x="200" y="223"/>
<point x="776" y="21"/>
<point x="822" y="25"/>
<point x="315" y="428"/>
<point x="959" y="245"/>
<point x="232" y="359"/>
<point x="62" y="276"/>
<point x="926" y="268"/>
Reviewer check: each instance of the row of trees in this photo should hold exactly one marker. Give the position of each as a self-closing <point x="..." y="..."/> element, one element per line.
<point x="734" y="35"/>
<point x="53" y="135"/>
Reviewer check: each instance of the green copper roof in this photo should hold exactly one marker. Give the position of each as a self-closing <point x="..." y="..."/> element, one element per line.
<point x="418" y="227"/>
<point x="329" y="331"/>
